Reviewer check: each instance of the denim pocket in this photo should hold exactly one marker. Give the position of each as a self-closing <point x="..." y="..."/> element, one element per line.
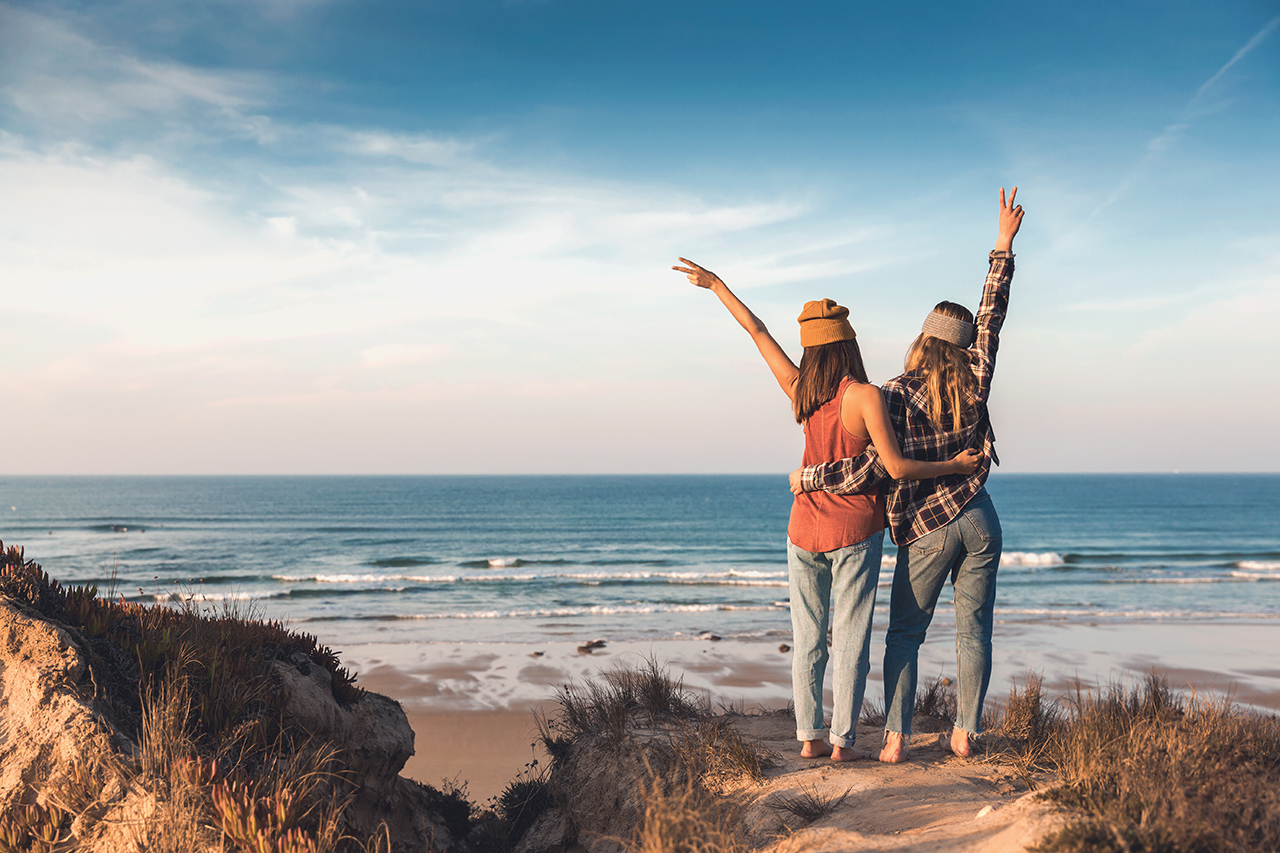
<point x="984" y="522"/>
<point x="930" y="543"/>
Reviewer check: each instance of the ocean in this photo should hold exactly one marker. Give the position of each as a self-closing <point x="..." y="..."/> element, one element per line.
<point x="540" y="558"/>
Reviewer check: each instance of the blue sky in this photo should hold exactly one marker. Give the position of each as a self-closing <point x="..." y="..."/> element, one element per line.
<point x="314" y="236"/>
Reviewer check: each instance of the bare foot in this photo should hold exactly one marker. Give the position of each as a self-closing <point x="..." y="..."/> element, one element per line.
<point x="846" y="753"/>
<point x="960" y="742"/>
<point x="895" y="748"/>
<point x="815" y="749"/>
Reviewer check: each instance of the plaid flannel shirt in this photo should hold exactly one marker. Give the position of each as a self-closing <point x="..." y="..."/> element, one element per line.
<point x="917" y="507"/>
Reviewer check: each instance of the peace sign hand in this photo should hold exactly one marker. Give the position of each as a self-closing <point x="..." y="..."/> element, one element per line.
<point x="1010" y="220"/>
<point x="697" y="275"/>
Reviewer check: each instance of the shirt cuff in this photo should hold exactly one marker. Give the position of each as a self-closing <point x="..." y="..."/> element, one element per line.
<point x="1000" y="254"/>
<point x="809" y="479"/>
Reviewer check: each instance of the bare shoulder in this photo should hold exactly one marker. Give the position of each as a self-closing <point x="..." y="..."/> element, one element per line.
<point x="861" y="389"/>
<point x="859" y="394"/>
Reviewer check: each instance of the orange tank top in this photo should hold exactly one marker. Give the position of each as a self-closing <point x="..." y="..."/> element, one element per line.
<point x="825" y="522"/>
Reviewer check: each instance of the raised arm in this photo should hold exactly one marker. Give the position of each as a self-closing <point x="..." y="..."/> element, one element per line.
<point x="784" y="369"/>
<point x="863" y="407"/>
<point x="995" y="295"/>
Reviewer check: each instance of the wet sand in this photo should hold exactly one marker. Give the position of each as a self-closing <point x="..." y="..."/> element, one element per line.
<point x="1215" y="657"/>
<point x="472" y="705"/>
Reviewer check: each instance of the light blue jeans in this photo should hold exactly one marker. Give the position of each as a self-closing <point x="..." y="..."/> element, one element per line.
<point x="836" y="588"/>
<point x="968" y="551"/>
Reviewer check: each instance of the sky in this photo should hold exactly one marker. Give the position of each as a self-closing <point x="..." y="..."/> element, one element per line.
<point x="321" y="236"/>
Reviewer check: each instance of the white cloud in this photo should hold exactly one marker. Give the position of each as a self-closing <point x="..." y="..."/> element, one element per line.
<point x="410" y="302"/>
<point x="427" y="150"/>
<point x="54" y="75"/>
<point x="388" y="271"/>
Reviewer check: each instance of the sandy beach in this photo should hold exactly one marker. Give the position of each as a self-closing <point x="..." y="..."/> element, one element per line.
<point x="472" y="705"/>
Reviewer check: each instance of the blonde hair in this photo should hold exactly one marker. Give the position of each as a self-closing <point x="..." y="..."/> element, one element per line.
<point x="946" y="371"/>
<point x="822" y="368"/>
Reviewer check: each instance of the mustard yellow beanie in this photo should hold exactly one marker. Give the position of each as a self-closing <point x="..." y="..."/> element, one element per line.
<point x="824" y="322"/>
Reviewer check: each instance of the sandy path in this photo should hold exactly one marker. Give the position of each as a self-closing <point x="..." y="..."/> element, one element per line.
<point x="933" y="802"/>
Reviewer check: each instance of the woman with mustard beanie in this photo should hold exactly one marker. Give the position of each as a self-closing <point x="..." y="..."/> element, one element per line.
<point x="834" y="541"/>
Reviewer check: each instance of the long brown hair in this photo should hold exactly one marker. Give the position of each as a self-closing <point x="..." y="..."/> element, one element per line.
<point x="948" y="377"/>
<point x="821" y="370"/>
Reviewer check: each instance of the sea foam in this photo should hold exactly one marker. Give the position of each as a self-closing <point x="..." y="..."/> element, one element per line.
<point x="1258" y="570"/>
<point x="1008" y="558"/>
<point x="598" y="610"/>
<point x="1031" y="558"/>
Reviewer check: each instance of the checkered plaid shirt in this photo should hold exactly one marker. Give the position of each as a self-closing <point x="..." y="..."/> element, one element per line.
<point x="917" y="507"/>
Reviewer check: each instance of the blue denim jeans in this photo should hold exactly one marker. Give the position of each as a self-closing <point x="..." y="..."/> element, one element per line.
<point x="836" y="588"/>
<point x="968" y="551"/>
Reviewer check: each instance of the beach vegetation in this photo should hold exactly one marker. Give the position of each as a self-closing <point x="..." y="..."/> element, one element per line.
<point x="450" y="802"/>
<point x="524" y="800"/>
<point x="220" y="761"/>
<point x="935" y="707"/>
<point x="684" y="818"/>
<point x="936" y="702"/>
<point x="1151" y="769"/>
<point x="513" y="812"/>
<point x="808" y="804"/>
<point x="714" y="750"/>
<point x="655" y="759"/>
<point x="223" y="653"/>
<point x="30" y="826"/>
<point x="608" y="707"/>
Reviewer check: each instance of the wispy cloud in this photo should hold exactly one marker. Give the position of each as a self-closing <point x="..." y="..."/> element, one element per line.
<point x="337" y="274"/>
<point x="426" y="150"/>
<point x="197" y="276"/>
<point x="1240" y="54"/>
<point x="1169" y="135"/>
<point x="55" y="76"/>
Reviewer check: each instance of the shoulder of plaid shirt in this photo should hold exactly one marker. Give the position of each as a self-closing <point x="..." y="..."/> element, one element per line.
<point x="907" y="400"/>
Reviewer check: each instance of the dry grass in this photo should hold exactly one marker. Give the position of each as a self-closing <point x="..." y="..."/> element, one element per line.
<point x="218" y="765"/>
<point x="684" y="818"/>
<point x="937" y="701"/>
<point x="169" y="768"/>
<point x="608" y="707"/>
<point x="289" y="801"/>
<point x="225" y="654"/>
<point x="623" y="702"/>
<point x="1022" y="732"/>
<point x="1156" y="771"/>
<point x="296" y="803"/>
<point x="712" y="749"/>
<point x="654" y="760"/>
<point x="808" y="804"/>
<point x="935" y="707"/>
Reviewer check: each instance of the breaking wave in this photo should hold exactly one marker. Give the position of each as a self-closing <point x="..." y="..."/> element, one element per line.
<point x="549" y="612"/>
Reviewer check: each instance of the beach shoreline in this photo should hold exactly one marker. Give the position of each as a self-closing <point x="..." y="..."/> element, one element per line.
<point x="473" y="706"/>
<point x="1212" y="657"/>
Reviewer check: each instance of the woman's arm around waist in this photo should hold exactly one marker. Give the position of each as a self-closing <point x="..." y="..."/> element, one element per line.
<point x="863" y="413"/>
